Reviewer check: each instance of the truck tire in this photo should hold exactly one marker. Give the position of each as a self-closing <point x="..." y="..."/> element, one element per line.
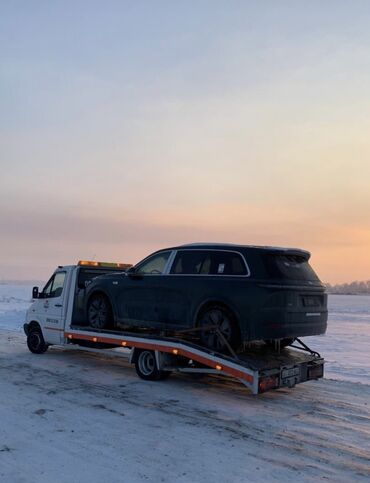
<point x="99" y="312"/>
<point x="35" y="341"/>
<point x="146" y="366"/>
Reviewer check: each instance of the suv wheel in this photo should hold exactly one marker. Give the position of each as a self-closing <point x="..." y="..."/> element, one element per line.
<point x="214" y="319"/>
<point x="99" y="312"/>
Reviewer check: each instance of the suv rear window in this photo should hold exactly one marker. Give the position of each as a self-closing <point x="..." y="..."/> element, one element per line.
<point x="291" y="267"/>
<point x="208" y="262"/>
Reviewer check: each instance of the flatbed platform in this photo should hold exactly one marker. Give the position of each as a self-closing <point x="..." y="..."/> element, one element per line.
<point x="259" y="368"/>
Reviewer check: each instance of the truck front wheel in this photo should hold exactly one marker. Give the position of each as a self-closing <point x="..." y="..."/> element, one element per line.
<point x="36" y="342"/>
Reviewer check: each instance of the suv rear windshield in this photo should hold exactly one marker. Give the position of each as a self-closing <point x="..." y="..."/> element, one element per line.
<point x="291" y="267"/>
<point x="208" y="262"/>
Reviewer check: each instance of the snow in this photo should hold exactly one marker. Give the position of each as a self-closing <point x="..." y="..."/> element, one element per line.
<point x="14" y="301"/>
<point x="72" y="415"/>
<point x="346" y="345"/>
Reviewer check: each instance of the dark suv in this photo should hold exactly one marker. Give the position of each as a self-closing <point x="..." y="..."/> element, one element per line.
<point x="250" y="293"/>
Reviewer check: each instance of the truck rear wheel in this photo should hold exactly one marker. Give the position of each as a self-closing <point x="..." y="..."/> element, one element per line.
<point x="36" y="342"/>
<point x="146" y="367"/>
<point x="99" y="312"/>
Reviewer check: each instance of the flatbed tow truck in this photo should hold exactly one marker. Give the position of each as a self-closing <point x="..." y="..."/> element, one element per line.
<point x="56" y="317"/>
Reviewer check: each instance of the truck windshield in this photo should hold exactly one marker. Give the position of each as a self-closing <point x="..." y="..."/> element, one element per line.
<point x="291" y="267"/>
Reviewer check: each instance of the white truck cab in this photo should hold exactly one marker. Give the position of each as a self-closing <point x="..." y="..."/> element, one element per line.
<point x="52" y="310"/>
<point x="49" y="308"/>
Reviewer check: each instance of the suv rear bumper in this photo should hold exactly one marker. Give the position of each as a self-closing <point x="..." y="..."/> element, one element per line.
<point x="281" y="324"/>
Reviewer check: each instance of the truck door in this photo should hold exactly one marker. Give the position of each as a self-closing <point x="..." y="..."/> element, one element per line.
<point x="50" y="308"/>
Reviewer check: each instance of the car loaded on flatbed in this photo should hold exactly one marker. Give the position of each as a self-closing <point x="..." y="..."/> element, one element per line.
<point x="220" y="318"/>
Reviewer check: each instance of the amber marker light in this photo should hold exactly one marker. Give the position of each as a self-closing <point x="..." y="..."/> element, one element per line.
<point x="88" y="263"/>
<point x="95" y="339"/>
<point x="124" y="343"/>
<point x="69" y="336"/>
<point x="175" y="351"/>
<point x="218" y="367"/>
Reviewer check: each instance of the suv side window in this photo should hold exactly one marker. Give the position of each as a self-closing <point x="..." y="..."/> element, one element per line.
<point x="54" y="287"/>
<point x="212" y="262"/>
<point x="191" y="262"/>
<point x="227" y="263"/>
<point x="154" y="265"/>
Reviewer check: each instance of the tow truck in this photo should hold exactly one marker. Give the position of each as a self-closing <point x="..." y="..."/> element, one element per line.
<point x="56" y="317"/>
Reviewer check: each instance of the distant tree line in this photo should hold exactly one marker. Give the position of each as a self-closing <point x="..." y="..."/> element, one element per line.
<point x="350" y="288"/>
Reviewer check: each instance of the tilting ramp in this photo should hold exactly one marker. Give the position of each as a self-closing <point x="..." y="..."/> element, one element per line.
<point x="260" y="369"/>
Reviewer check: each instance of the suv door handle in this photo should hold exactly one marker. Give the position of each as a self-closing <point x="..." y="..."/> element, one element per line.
<point x="57" y="305"/>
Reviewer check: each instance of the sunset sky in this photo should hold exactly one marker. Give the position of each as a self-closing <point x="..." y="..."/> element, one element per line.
<point x="130" y="126"/>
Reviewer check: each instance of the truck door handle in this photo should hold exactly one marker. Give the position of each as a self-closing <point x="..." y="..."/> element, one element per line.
<point x="57" y="305"/>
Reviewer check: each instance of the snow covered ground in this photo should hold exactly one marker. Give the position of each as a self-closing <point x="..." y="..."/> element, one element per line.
<point x="14" y="301"/>
<point x="71" y="415"/>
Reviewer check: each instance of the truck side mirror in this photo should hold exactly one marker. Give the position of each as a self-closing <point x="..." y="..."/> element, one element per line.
<point x="35" y="293"/>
